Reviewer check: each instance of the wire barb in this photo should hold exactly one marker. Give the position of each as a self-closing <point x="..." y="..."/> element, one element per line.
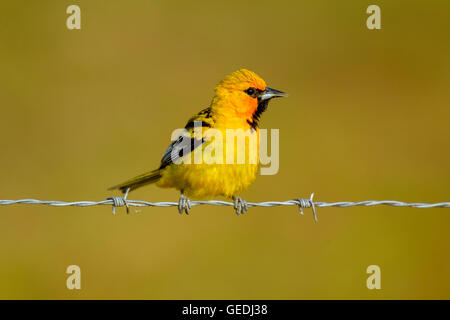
<point x="307" y="203"/>
<point x="120" y="202"/>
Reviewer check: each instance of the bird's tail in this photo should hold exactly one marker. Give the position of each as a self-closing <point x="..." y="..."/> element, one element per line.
<point x="139" y="181"/>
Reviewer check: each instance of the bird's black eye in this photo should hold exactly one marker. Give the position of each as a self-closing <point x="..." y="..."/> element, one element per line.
<point x="251" y="92"/>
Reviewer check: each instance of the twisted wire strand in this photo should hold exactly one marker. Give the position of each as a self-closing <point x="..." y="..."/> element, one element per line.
<point x="301" y="203"/>
<point x="293" y="202"/>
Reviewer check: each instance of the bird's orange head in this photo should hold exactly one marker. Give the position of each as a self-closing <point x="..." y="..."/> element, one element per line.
<point x="244" y="94"/>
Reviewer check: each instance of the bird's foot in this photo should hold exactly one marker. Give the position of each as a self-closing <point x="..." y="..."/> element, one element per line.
<point x="184" y="204"/>
<point x="240" y="205"/>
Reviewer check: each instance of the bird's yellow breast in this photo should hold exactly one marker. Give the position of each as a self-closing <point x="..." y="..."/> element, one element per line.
<point x="210" y="178"/>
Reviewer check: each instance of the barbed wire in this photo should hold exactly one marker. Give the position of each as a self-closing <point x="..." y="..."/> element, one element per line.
<point x="240" y="206"/>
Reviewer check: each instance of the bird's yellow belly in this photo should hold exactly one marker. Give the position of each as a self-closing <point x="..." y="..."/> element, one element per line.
<point x="204" y="181"/>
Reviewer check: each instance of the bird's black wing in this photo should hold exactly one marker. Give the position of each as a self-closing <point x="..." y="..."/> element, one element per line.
<point x="189" y="139"/>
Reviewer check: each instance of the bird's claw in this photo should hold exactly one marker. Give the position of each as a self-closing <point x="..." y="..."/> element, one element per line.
<point x="240" y="205"/>
<point x="184" y="204"/>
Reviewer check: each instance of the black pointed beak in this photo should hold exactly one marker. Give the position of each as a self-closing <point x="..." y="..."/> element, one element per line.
<point x="270" y="93"/>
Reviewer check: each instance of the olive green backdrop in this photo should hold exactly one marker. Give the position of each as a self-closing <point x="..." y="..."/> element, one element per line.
<point x="367" y="118"/>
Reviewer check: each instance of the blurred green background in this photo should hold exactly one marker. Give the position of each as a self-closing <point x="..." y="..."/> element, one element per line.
<point x="367" y="118"/>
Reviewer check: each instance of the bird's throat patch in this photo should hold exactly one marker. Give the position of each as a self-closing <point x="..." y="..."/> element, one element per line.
<point x="256" y="116"/>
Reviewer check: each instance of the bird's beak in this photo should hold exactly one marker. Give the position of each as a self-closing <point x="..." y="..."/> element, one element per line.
<point x="270" y="93"/>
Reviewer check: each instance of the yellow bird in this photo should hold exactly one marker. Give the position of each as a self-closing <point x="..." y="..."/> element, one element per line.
<point x="239" y="101"/>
